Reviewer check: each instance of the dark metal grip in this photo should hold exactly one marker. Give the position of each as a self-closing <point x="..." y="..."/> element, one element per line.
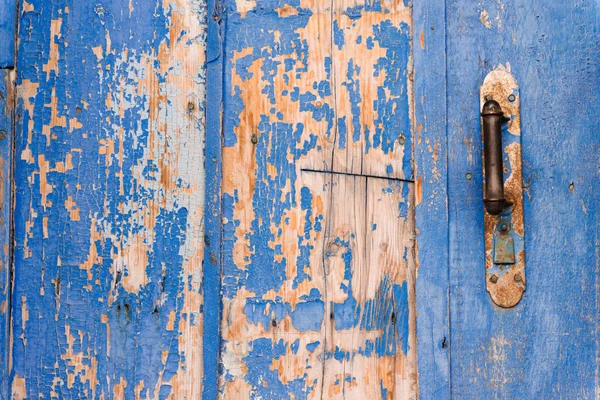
<point x="492" y="117"/>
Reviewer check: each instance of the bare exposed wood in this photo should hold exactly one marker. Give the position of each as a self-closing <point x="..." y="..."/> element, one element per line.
<point x="318" y="282"/>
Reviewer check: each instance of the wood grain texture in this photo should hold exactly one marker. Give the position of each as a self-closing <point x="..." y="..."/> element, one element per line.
<point x="8" y="10"/>
<point x="548" y="345"/>
<point x="318" y="267"/>
<point x="431" y="211"/>
<point x="6" y="157"/>
<point x="212" y="207"/>
<point x="109" y="200"/>
<point x="372" y="87"/>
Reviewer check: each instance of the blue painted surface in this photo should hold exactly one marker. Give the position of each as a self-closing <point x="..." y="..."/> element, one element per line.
<point x="547" y="346"/>
<point x="212" y="212"/>
<point x="109" y="194"/>
<point x="6" y="147"/>
<point x="431" y="159"/>
<point x="70" y="220"/>
<point x="8" y="9"/>
<point x="286" y="322"/>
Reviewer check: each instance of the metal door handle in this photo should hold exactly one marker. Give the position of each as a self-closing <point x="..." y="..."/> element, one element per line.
<point x="492" y="117"/>
<point x="503" y="220"/>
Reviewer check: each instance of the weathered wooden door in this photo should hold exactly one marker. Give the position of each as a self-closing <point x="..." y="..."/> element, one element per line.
<point x="548" y="345"/>
<point x="317" y="196"/>
<point x="336" y="248"/>
<point x="108" y="200"/>
<point x="323" y="104"/>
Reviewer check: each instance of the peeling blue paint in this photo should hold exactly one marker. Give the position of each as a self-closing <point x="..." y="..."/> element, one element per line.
<point x="338" y="35"/>
<point x="8" y="9"/>
<point x="264" y="379"/>
<point x="353" y="87"/>
<point x="431" y="213"/>
<point x="122" y="336"/>
<point x="393" y="114"/>
<point x="258" y="210"/>
<point x="6" y="161"/>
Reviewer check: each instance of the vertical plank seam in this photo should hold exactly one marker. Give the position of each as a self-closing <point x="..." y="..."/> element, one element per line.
<point x="216" y="18"/>
<point x="8" y="76"/>
<point x="431" y="199"/>
<point x="11" y="235"/>
<point x="327" y="316"/>
<point x="447" y="161"/>
<point x="5" y="386"/>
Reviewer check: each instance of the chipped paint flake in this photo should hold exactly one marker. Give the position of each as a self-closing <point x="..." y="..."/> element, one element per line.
<point x="484" y="18"/>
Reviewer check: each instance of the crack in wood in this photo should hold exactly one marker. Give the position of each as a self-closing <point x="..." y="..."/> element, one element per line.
<point x="357" y="175"/>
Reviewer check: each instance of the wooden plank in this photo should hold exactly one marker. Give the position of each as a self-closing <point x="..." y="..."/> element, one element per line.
<point x="343" y="324"/>
<point x="6" y="158"/>
<point x="547" y="346"/>
<point x="273" y="339"/>
<point x="109" y="200"/>
<point x="431" y="180"/>
<point x="369" y="272"/>
<point x="211" y="335"/>
<point x="341" y="71"/>
<point x="282" y="111"/>
<point x="372" y="82"/>
<point x="8" y="9"/>
<point x="277" y="79"/>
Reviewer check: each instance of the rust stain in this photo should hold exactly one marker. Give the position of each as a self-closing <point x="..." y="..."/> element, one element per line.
<point x="507" y="284"/>
<point x="514" y="187"/>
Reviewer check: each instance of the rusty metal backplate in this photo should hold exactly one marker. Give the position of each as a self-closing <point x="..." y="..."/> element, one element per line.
<point x="504" y="233"/>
